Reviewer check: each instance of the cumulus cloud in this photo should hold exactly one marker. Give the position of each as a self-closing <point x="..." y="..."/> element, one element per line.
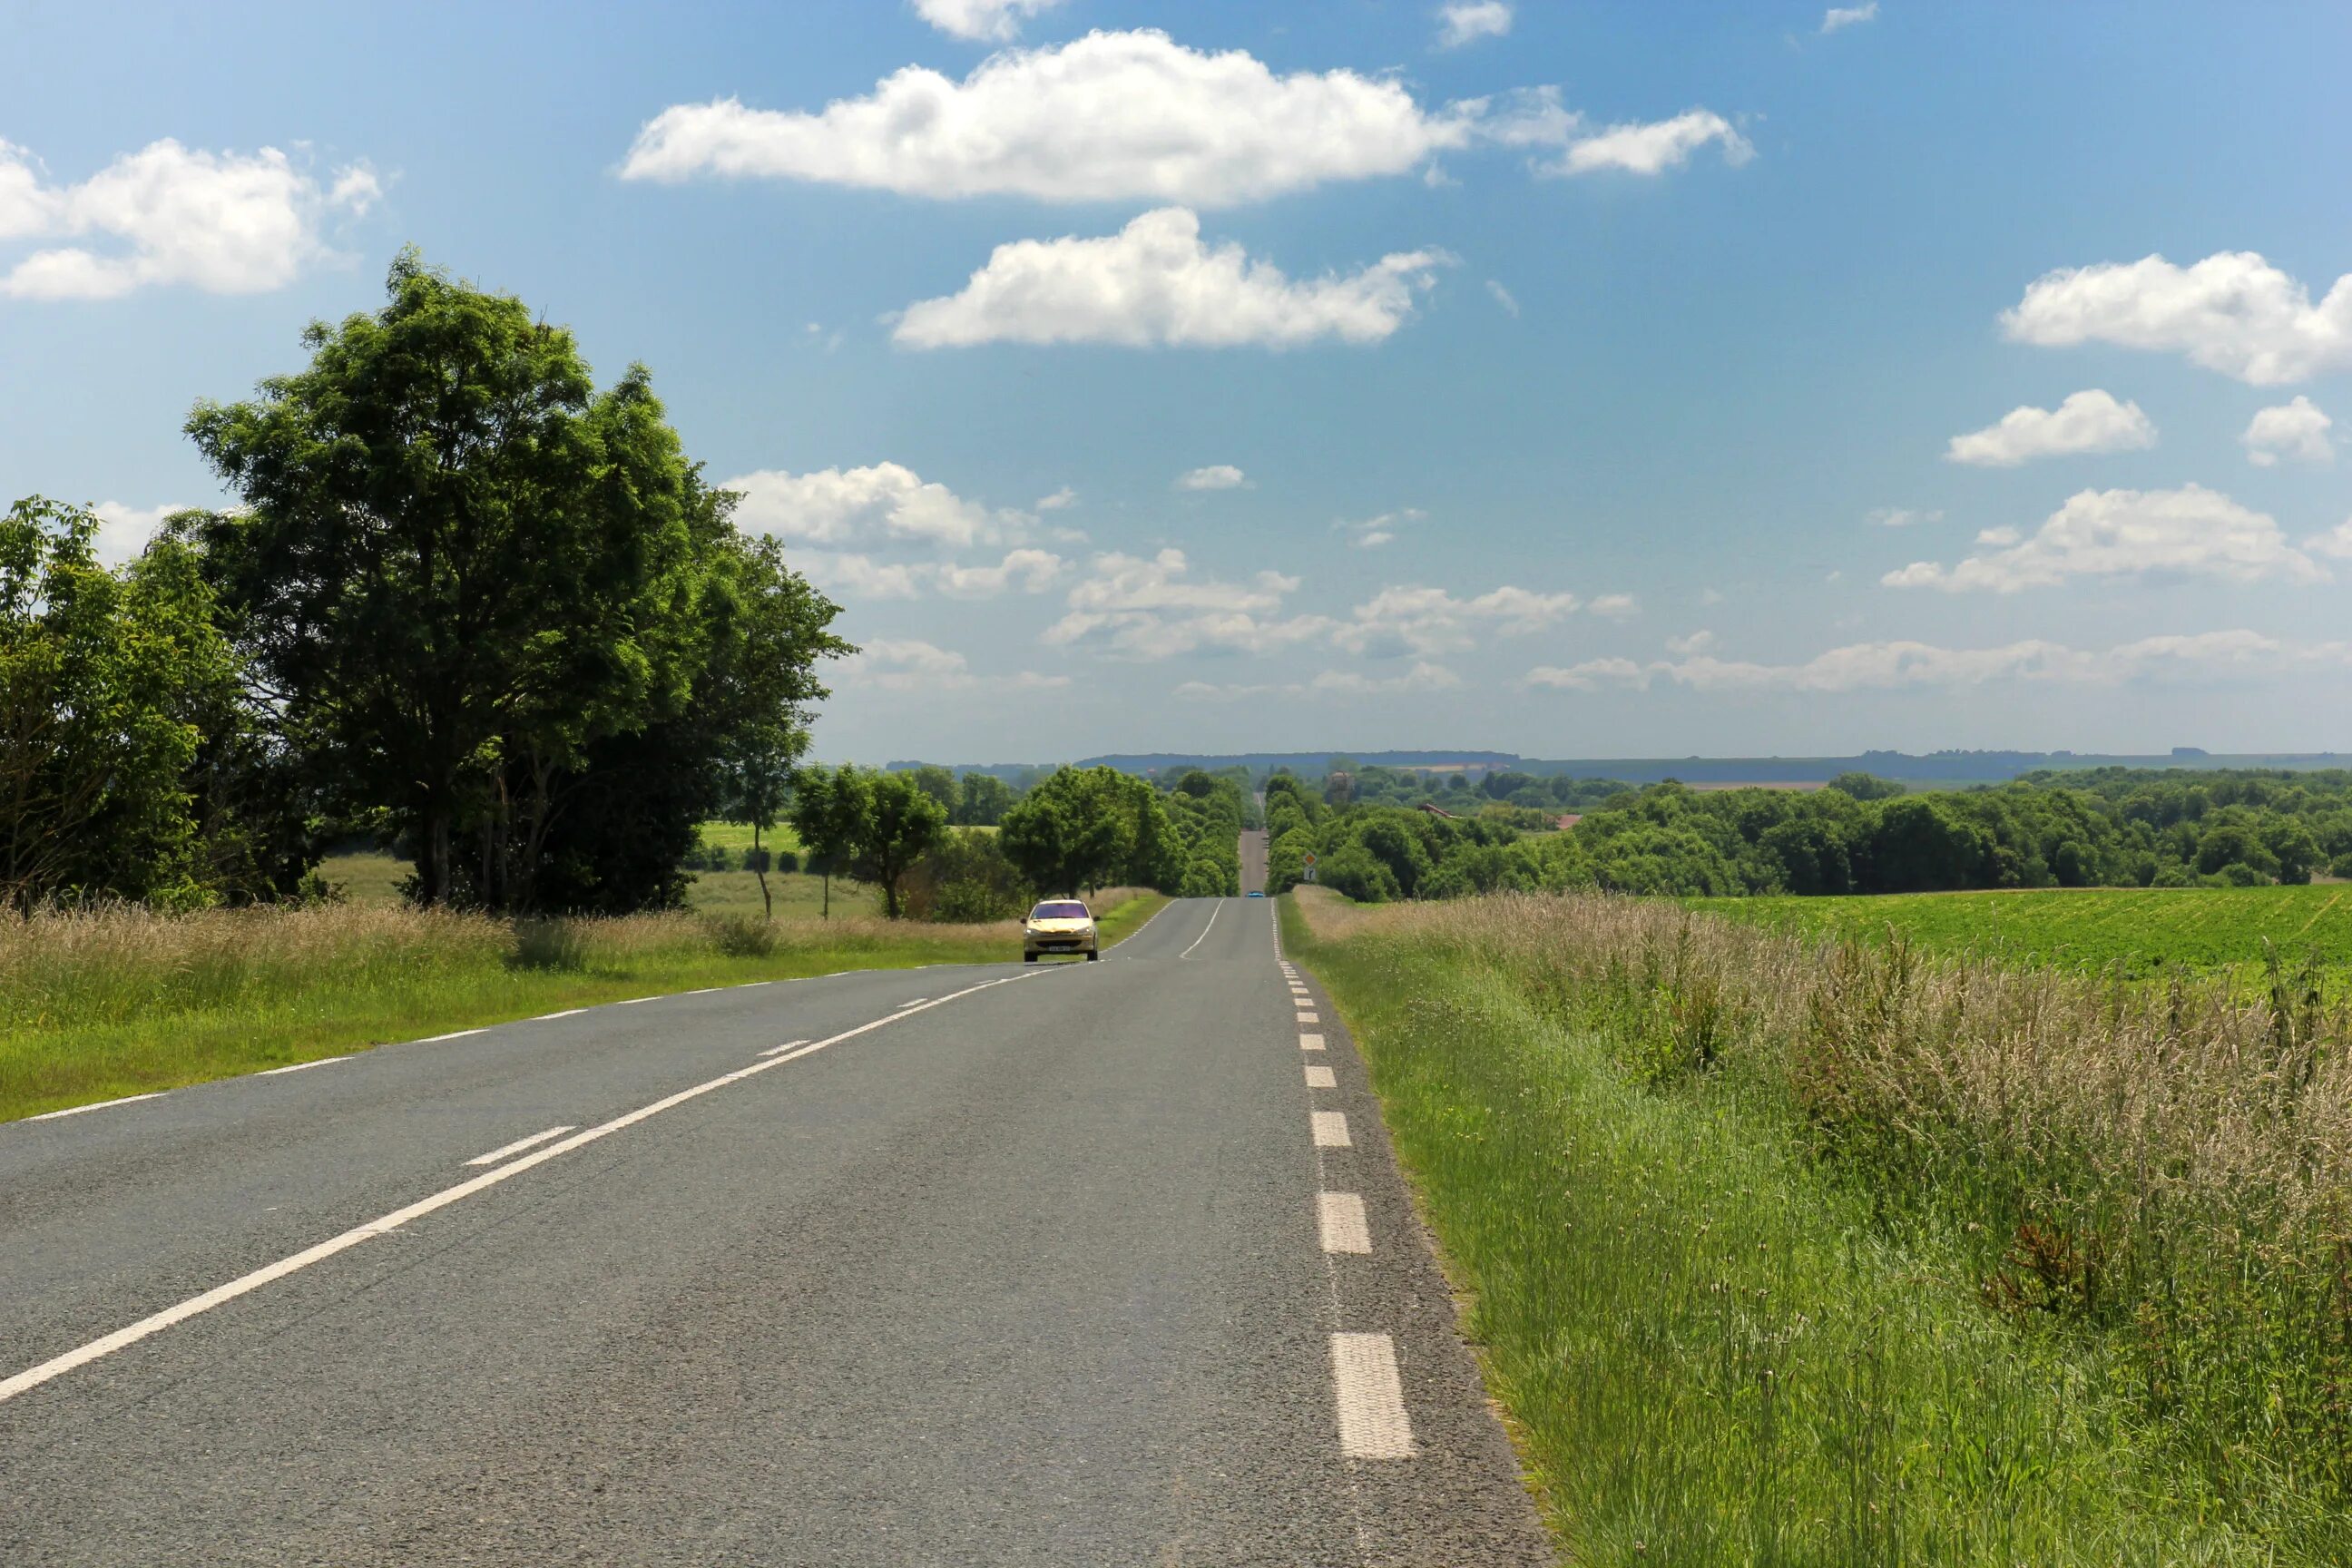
<point x="1156" y="283"/>
<point x="1135" y="116"/>
<point x="125" y="532"/>
<point x="1891" y="666"/>
<point x="881" y="502"/>
<point x="1371" y="532"/>
<point x="1423" y="620"/>
<point x="221" y="222"/>
<point x="1698" y="642"/>
<point x="2336" y="541"/>
<point x="1838" y="16"/>
<point x="2189" y="532"/>
<point x="2089" y="421"/>
<point x="1901" y="517"/>
<point x="855" y="575"/>
<point x="1423" y="676"/>
<point x="1654" y="147"/>
<point x="1108" y="117"/>
<point x="1060" y="500"/>
<point x="1503" y="297"/>
<point x="1468" y="21"/>
<point x="1215" y="477"/>
<point x="1153" y="608"/>
<point x="909" y="664"/>
<point x="2233" y="312"/>
<point x="980" y="20"/>
<point x="1616" y="606"/>
<point x="2296" y="430"/>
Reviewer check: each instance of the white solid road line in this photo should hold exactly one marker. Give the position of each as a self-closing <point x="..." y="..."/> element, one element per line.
<point x="1330" y="1129"/>
<point x="99" y="1105"/>
<point x="1320" y="1076"/>
<point x="300" y="1066"/>
<point x="1340" y="1217"/>
<point x="34" y="1376"/>
<point x="779" y="1050"/>
<point x="519" y="1146"/>
<point x="1310" y="1042"/>
<point x="1216" y="909"/>
<point x="914" y="1001"/>
<point x="1372" y="1422"/>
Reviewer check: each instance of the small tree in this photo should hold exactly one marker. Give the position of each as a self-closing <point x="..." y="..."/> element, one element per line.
<point x="828" y="812"/>
<point x="902" y="823"/>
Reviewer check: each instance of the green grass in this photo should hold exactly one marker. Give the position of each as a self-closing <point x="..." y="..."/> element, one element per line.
<point x="1714" y="1349"/>
<point x="2142" y="933"/>
<point x="94" y="1007"/>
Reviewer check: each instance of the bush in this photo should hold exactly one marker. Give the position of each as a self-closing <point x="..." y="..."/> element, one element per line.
<point x="740" y="936"/>
<point x="967" y="880"/>
<point x="548" y="944"/>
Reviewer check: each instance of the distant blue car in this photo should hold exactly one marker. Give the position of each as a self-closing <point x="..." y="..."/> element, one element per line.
<point x="1257" y="893"/>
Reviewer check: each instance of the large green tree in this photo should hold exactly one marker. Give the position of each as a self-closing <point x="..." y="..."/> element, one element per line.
<point x="481" y="593"/>
<point x="903" y="823"/>
<point x="1075" y="830"/>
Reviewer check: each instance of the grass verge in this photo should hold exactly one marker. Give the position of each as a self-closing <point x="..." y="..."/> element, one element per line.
<point x="120" y="1002"/>
<point x="1731" y="1329"/>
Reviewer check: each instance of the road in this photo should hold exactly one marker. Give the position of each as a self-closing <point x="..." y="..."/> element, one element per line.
<point x="998" y="1265"/>
<point x="1253" y="854"/>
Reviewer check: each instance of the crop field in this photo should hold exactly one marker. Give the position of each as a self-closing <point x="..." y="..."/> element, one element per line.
<point x="2140" y="932"/>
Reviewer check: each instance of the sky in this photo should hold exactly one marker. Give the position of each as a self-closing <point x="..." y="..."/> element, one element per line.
<point x="1576" y="380"/>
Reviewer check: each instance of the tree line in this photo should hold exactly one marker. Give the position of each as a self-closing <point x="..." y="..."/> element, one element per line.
<point x="466" y="603"/>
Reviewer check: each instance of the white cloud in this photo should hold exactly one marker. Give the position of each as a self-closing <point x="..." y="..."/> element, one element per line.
<point x="882" y="502"/>
<point x="1135" y="116"/>
<point x="1655" y="147"/>
<point x="2336" y="541"/>
<point x="1891" y="666"/>
<point x="1616" y="606"/>
<point x="1153" y="608"/>
<point x="1422" y="620"/>
<point x="980" y="20"/>
<point x="1215" y="477"/>
<point x="2189" y="532"/>
<point x="1698" y="642"/>
<point x="2088" y="421"/>
<point x="1371" y="532"/>
<point x="1838" y="16"/>
<point x="2296" y="429"/>
<point x="2001" y="535"/>
<point x="909" y="664"/>
<point x="1108" y="117"/>
<point x="1503" y="298"/>
<point x="2233" y="312"/>
<point x="220" y="222"/>
<point x="1466" y="21"/>
<point x="1901" y="517"/>
<point x="861" y="576"/>
<point x="1156" y="283"/>
<point x="1423" y="676"/>
<point x="125" y="532"/>
<point x="1061" y="498"/>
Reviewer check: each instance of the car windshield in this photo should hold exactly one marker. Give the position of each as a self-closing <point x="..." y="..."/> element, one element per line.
<point x="1067" y="911"/>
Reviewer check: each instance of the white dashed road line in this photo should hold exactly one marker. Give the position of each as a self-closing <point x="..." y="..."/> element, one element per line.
<point x="1372" y="1422"/>
<point x="300" y="1066"/>
<point x="779" y="1050"/>
<point x="1310" y="1042"/>
<point x="219" y="1294"/>
<point x="1330" y="1129"/>
<point x="460" y="1035"/>
<point x="100" y="1105"/>
<point x="567" y="1013"/>
<point x="1320" y="1076"/>
<point x="1311" y="1017"/>
<point x="519" y="1146"/>
<point x="1340" y="1217"/>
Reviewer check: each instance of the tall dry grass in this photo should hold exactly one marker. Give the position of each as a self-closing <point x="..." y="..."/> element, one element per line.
<point x="2165" y="1171"/>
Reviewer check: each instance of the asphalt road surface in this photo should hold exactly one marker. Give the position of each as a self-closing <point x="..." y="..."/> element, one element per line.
<point x="1054" y="1265"/>
<point x="1253" y="856"/>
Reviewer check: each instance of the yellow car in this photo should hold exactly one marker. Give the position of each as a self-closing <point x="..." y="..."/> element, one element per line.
<point x="1059" y="925"/>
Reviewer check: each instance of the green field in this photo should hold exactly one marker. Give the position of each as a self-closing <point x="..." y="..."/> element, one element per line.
<point x="2142" y="933"/>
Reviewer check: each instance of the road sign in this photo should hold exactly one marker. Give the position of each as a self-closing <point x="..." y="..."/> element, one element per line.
<point x="1306" y="871"/>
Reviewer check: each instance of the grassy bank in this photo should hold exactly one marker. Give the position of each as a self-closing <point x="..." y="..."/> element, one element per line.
<point x="123" y="1001"/>
<point x="1777" y="1256"/>
<point x="2139" y="932"/>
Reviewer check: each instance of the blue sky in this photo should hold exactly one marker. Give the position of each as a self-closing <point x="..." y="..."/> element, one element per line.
<point x="1569" y="379"/>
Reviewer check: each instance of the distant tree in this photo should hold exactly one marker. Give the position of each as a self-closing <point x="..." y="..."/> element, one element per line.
<point x="829" y="812"/>
<point x="901" y="823"/>
<point x="1865" y="787"/>
<point x="982" y="801"/>
<point x="940" y="784"/>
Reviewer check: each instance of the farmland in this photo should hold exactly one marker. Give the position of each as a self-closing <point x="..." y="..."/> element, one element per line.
<point x="2138" y="932"/>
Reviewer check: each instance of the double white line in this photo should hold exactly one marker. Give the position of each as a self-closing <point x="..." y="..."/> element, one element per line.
<point x="82" y="1355"/>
